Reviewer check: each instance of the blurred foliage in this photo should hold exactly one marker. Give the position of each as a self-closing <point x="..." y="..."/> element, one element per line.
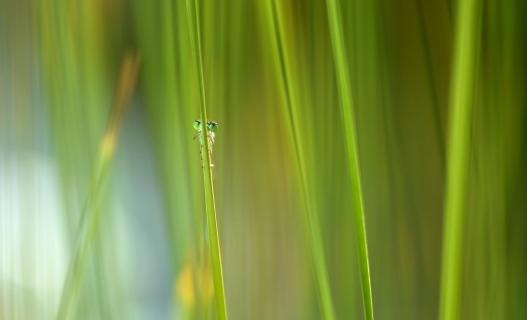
<point x="59" y="65"/>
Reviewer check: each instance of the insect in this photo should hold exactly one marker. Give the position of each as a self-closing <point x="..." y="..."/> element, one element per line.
<point x="212" y="127"/>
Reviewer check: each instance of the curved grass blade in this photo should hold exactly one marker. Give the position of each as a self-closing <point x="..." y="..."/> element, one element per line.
<point x="346" y="107"/>
<point x="292" y="108"/>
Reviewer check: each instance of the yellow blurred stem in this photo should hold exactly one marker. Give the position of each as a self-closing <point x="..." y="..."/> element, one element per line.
<point x="90" y="215"/>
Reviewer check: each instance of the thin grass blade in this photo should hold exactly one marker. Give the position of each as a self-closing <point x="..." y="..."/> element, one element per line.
<point x="210" y="204"/>
<point x="347" y="109"/>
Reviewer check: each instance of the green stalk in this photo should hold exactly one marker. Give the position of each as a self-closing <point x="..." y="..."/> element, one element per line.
<point x="347" y="109"/>
<point x="89" y="220"/>
<point x="292" y="106"/>
<point x="465" y="58"/>
<point x="210" y="204"/>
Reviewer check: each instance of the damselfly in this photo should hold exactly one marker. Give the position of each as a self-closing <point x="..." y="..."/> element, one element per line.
<point x="212" y="127"/>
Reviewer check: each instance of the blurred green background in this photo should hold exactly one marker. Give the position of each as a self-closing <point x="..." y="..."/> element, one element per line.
<point x="149" y="256"/>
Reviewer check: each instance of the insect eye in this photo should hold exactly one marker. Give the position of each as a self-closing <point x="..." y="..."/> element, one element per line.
<point x="212" y="126"/>
<point x="197" y="125"/>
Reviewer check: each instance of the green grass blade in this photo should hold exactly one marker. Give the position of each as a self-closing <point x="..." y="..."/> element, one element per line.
<point x="90" y="216"/>
<point x="313" y="226"/>
<point x="465" y="58"/>
<point x="346" y="106"/>
<point x="210" y="204"/>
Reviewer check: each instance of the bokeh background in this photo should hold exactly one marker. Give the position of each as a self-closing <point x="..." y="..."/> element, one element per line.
<point x="59" y="70"/>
